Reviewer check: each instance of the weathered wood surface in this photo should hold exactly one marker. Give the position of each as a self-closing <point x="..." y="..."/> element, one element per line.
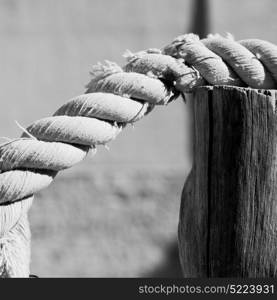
<point x="228" y="215"/>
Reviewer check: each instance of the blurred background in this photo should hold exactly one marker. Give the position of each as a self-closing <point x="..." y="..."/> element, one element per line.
<point x="116" y="214"/>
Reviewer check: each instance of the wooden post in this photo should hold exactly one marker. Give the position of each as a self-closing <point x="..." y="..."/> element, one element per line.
<point x="200" y="18"/>
<point x="228" y="214"/>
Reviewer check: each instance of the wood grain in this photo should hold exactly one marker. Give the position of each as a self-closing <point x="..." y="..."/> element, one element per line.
<point x="228" y="214"/>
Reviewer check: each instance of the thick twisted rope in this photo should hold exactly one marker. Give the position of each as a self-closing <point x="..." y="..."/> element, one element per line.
<point x="114" y="98"/>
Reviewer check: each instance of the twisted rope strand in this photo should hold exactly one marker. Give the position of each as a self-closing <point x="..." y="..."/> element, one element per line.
<point x="265" y="52"/>
<point x="115" y="97"/>
<point x="209" y="64"/>
<point x="224" y="61"/>
<point x="246" y="64"/>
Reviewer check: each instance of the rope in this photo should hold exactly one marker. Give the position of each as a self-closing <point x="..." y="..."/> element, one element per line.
<point x="115" y="97"/>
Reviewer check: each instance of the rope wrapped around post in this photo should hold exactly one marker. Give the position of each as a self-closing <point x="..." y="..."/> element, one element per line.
<point x="115" y="97"/>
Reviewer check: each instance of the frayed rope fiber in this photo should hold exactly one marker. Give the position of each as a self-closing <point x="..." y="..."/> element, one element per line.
<point x="115" y="97"/>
